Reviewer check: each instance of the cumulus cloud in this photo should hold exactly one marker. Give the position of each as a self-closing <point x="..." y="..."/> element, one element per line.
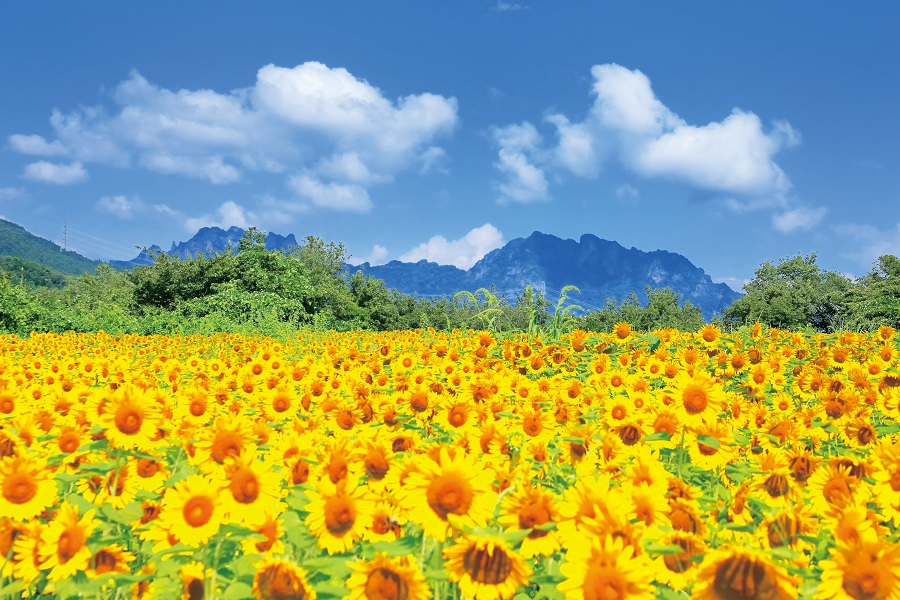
<point x="525" y="182"/>
<point x="229" y="214"/>
<point x="868" y="242"/>
<point x="37" y="145"/>
<point x="47" y="172"/>
<point x="733" y="157"/>
<point x="377" y="256"/>
<point x="800" y="218"/>
<point x="463" y="252"/>
<point x="285" y="122"/>
<point x="339" y="196"/>
<point x="120" y="206"/>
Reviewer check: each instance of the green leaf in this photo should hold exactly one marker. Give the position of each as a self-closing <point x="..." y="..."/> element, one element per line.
<point x="327" y="591"/>
<point x="659" y="436"/>
<point x="401" y="547"/>
<point x="237" y="591"/>
<point x="663" y="549"/>
<point x="709" y="441"/>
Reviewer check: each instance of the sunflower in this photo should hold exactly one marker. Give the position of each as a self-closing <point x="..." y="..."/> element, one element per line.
<point x="387" y="522"/>
<point x="386" y="578"/>
<point x="278" y="579"/>
<point x="253" y="489"/>
<point x="532" y="507"/>
<point x="131" y="419"/>
<point x="193" y="580"/>
<point x="591" y="498"/>
<point x="268" y="539"/>
<point x="27" y="488"/>
<point x="679" y="570"/>
<point x="9" y="531"/>
<point x="193" y="509"/>
<point x="710" y="445"/>
<point x="110" y="559"/>
<point x="698" y="398"/>
<point x="63" y="548"/>
<point x="605" y="567"/>
<point x="228" y="437"/>
<point x="485" y="568"/>
<point x="339" y="514"/>
<point x="869" y="571"/>
<point x="735" y="572"/>
<point x="832" y="485"/>
<point x="456" y="487"/>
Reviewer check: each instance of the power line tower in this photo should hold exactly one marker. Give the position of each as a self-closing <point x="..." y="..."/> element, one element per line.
<point x="65" y="235"/>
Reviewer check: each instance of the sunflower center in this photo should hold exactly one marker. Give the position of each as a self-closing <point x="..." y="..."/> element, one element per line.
<point x="300" y="472"/>
<point x="103" y="562"/>
<point x="279" y="582"/>
<point x="683" y="520"/>
<point x="281" y="403"/>
<point x="619" y="412"/>
<point x="782" y="531"/>
<point x="198" y="510"/>
<point x="19" y="488"/>
<point x="339" y="516"/>
<point x="837" y="490"/>
<point x="532" y="426"/>
<point x="777" y="485"/>
<point x="384" y="584"/>
<point x="7" y="405"/>
<point x="147" y="467"/>
<point x="345" y="419"/>
<point x="244" y="486"/>
<point x="630" y="435"/>
<point x="865" y="435"/>
<point x="680" y="562"/>
<point x="337" y="469"/>
<point x="128" y="420"/>
<point x="457" y="416"/>
<point x="71" y="540"/>
<point x="706" y="450"/>
<point x="489" y="568"/>
<point x="895" y="480"/>
<point x="742" y="577"/>
<point x="695" y="399"/>
<point x="376" y="466"/>
<point x="381" y="524"/>
<point x="864" y="586"/>
<point x="195" y="590"/>
<point x="198" y="407"/>
<point x="449" y="494"/>
<point x="68" y="442"/>
<point x="531" y="515"/>
<point x="604" y="584"/>
<point x="226" y="444"/>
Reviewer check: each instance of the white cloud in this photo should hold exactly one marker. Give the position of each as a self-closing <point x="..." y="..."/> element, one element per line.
<point x="525" y="181"/>
<point x="503" y="6"/>
<point x="227" y="215"/>
<point x="284" y="122"/>
<point x="377" y="256"/>
<point x="47" y="172"/>
<point x="338" y="196"/>
<point x="11" y="193"/>
<point x="463" y="252"/>
<point x="735" y="283"/>
<point x="120" y="206"/>
<point x="627" y="193"/>
<point x="37" y="145"/>
<point x="733" y="157"/>
<point x="433" y="160"/>
<point x="870" y="242"/>
<point x="800" y="218"/>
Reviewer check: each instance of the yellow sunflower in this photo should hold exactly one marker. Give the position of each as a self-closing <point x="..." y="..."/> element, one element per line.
<point x="110" y="559"/>
<point x="63" y="548"/>
<point x="604" y="567"/>
<point x="278" y="579"/>
<point x="339" y="514"/>
<point x="253" y="489"/>
<point x="385" y="578"/>
<point x="735" y="572"/>
<point x="680" y="569"/>
<point x="27" y="488"/>
<point x="456" y="487"/>
<point x="698" y="398"/>
<point x="530" y="508"/>
<point x="131" y="419"/>
<point x="485" y="568"/>
<point x="268" y="539"/>
<point x="193" y="510"/>
<point x="871" y="571"/>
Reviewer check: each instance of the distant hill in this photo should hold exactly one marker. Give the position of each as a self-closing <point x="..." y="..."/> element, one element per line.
<point x="16" y="241"/>
<point x="600" y="269"/>
<point x="209" y="240"/>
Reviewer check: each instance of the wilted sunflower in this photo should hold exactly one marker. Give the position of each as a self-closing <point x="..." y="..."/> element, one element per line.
<point x="63" y="547"/>
<point x="193" y="510"/>
<point x="278" y="579"/>
<point x="485" y="568"/>
<point x="28" y="487"/>
<point x="386" y="578"/>
<point x="604" y="567"/>
<point x="456" y="487"/>
<point x="732" y="572"/>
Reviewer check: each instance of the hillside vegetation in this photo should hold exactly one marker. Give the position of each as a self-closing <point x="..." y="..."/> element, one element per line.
<point x="16" y="241"/>
<point x="249" y="289"/>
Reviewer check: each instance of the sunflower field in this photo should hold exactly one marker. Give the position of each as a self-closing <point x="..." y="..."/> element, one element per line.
<point x="410" y="465"/>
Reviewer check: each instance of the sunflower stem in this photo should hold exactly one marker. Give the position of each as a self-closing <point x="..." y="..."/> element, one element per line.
<point x="210" y="593"/>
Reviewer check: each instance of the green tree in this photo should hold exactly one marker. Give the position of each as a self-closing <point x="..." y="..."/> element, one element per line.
<point x="794" y="294"/>
<point x="875" y="299"/>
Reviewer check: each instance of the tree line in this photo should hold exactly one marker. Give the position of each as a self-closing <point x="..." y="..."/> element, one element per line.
<point x="250" y="289"/>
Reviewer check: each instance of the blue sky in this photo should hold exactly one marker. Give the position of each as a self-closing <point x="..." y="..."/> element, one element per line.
<point x="732" y="133"/>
